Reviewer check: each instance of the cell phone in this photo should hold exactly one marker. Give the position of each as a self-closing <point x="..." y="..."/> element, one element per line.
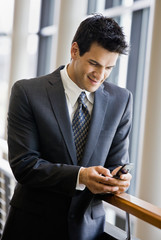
<point x="123" y="170"/>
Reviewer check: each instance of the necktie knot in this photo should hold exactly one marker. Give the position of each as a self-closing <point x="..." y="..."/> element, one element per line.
<point x="81" y="98"/>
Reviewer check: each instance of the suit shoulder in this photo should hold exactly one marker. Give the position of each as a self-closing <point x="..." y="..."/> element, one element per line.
<point x="116" y="90"/>
<point x="39" y="82"/>
<point x="33" y="81"/>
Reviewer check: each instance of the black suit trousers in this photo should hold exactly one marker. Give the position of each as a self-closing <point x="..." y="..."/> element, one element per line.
<point x="23" y="225"/>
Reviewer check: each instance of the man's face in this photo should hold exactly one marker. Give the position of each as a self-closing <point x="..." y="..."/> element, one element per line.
<point x="90" y="70"/>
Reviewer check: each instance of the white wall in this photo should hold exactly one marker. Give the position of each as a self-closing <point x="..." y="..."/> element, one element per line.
<point x="150" y="178"/>
<point x="18" y="66"/>
<point x="72" y="12"/>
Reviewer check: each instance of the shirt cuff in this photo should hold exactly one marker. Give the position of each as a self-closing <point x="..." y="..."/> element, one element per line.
<point x="79" y="186"/>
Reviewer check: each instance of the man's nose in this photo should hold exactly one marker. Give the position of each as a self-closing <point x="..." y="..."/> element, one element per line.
<point x="99" y="74"/>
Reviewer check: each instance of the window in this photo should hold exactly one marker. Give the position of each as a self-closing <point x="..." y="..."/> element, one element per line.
<point x="130" y="71"/>
<point x="112" y="3"/>
<point x="5" y="48"/>
<point x="46" y="37"/>
<point x="136" y="77"/>
<point x="134" y="17"/>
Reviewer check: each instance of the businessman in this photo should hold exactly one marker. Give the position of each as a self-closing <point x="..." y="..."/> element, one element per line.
<point x="68" y="134"/>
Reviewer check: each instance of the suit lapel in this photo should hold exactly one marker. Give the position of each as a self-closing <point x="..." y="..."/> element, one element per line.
<point x="97" y="118"/>
<point x="58" y="101"/>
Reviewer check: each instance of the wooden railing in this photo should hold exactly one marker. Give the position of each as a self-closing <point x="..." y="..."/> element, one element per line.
<point x="137" y="207"/>
<point x="130" y="204"/>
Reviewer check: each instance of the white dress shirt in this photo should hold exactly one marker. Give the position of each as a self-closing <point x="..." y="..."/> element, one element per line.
<point x="72" y="92"/>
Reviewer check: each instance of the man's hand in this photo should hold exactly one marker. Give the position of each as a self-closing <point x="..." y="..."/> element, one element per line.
<point x="99" y="180"/>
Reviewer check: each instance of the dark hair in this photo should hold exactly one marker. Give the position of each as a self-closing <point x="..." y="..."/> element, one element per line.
<point x="103" y="30"/>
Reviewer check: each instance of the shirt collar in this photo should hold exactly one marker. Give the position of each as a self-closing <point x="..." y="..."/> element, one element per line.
<point x="72" y="90"/>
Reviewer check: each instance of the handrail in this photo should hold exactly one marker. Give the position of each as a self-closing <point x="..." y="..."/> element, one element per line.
<point x="137" y="207"/>
<point x="133" y="205"/>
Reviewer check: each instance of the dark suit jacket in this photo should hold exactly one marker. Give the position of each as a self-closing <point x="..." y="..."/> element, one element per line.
<point x="42" y="153"/>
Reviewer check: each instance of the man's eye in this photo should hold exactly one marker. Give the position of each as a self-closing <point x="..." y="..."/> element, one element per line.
<point x="94" y="64"/>
<point x="109" y="68"/>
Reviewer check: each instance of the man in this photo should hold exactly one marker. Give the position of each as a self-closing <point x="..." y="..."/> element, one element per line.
<point x="62" y="170"/>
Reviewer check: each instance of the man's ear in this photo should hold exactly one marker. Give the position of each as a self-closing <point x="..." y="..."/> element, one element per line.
<point x="74" y="50"/>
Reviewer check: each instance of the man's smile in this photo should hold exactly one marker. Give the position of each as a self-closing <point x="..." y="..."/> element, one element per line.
<point x="93" y="81"/>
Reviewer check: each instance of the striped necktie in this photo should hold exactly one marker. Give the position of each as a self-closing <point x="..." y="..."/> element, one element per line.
<point x="80" y="125"/>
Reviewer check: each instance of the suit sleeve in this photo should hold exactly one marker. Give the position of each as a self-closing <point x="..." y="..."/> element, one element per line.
<point x="119" y="150"/>
<point x="28" y="166"/>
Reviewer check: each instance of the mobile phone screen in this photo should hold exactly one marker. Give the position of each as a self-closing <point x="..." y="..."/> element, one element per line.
<point x="123" y="170"/>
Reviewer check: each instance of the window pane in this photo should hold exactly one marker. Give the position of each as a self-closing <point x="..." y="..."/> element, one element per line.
<point x="119" y="74"/>
<point x="91" y="8"/>
<point x="112" y="3"/>
<point x="47" y="13"/>
<point x="135" y="79"/>
<point x="6" y="19"/>
<point x="116" y="3"/>
<point x="5" y="46"/>
<point x="125" y="22"/>
<point x="45" y="45"/>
